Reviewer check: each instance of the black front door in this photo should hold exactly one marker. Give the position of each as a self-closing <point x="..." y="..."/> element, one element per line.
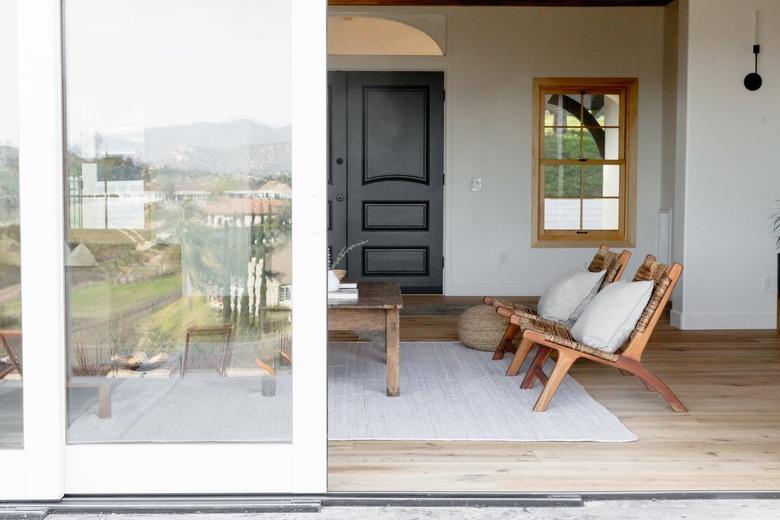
<point x="386" y="175"/>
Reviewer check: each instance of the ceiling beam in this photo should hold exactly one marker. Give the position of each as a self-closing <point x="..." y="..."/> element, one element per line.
<point x="542" y="3"/>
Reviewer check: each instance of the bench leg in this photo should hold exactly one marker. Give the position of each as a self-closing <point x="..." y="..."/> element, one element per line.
<point x="104" y="398"/>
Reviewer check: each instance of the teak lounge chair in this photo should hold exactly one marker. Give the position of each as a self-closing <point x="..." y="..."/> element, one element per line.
<point x="549" y="336"/>
<point x="604" y="260"/>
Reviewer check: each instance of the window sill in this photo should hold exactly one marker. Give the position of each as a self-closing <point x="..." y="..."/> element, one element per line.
<point x="589" y="242"/>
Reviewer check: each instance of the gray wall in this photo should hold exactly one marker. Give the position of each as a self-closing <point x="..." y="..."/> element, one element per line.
<point x="493" y="54"/>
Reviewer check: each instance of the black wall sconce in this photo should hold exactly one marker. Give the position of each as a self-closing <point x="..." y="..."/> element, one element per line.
<point x="753" y="80"/>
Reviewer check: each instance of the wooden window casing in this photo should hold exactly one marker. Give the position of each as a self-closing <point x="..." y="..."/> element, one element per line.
<point x="626" y="89"/>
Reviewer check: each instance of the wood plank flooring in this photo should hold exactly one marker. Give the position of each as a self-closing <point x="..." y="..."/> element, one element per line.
<point x="730" y="439"/>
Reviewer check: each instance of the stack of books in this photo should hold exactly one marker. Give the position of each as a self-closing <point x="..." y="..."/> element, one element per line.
<point x="348" y="292"/>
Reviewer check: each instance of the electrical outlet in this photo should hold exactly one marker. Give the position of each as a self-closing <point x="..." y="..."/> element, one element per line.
<point x="769" y="284"/>
<point x="476" y="184"/>
<point x="503" y="259"/>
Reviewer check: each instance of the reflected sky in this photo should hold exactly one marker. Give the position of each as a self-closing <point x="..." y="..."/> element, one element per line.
<point x="137" y="64"/>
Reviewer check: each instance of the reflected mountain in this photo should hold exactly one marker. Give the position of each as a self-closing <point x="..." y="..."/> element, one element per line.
<point x="242" y="147"/>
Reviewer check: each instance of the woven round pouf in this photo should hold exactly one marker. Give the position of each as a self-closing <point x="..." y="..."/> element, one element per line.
<point x="479" y="327"/>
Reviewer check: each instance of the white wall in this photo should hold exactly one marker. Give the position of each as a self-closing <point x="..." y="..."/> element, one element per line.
<point x="670" y="88"/>
<point x="731" y="174"/>
<point x="493" y="54"/>
<point x="681" y="78"/>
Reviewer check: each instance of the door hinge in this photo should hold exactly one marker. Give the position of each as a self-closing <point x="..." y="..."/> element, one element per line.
<point x="443" y="179"/>
<point x="442" y="262"/>
<point x="444" y="95"/>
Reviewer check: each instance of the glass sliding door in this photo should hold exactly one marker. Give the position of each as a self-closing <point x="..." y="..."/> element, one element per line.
<point x="179" y="228"/>
<point x="11" y="414"/>
<point x="189" y="365"/>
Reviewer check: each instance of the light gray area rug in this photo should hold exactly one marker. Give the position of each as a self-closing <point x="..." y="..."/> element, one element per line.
<point x="184" y="409"/>
<point x="453" y="393"/>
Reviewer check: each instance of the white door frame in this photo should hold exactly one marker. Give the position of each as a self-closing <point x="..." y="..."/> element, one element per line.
<point x="51" y="468"/>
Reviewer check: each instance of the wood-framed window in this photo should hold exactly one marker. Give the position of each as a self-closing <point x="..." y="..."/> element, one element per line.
<point x="584" y="161"/>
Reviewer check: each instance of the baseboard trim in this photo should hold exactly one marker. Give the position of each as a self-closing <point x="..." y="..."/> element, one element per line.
<point x="723" y="320"/>
<point x="675" y="318"/>
<point x="496" y="289"/>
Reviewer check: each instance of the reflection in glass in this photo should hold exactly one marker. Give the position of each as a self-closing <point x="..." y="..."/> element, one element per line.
<point x="562" y="143"/>
<point x="601" y="143"/>
<point x="601" y="109"/>
<point x="562" y="213"/>
<point x="562" y="110"/>
<point x="601" y="180"/>
<point x="179" y="221"/>
<point x="561" y="181"/>
<point x="600" y="214"/>
<point x="10" y="272"/>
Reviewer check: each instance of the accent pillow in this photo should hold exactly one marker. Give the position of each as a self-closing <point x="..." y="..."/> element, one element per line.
<point x="560" y="300"/>
<point x="607" y="322"/>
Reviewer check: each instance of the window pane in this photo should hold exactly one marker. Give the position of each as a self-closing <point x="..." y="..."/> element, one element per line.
<point x="561" y="214"/>
<point x="562" y="143"/>
<point x="10" y="273"/>
<point x="601" y="143"/>
<point x="561" y="181"/>
<point x="604" y="109"/>
<point x="179" y="232"/>
<point x="601" y="180"/>
<point x="562" y="110"/>
<point x="600" y="214"/>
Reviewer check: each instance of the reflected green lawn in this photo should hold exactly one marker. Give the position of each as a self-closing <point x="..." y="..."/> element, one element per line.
<point x="93" y="300"/>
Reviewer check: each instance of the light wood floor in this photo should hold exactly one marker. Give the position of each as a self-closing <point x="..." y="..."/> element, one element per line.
<point x="730" y="439"/>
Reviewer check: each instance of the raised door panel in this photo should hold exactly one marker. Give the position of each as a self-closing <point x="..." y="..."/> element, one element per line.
<point x="395" y="134"/>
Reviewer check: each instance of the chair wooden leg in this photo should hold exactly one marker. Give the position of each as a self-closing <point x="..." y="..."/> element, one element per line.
<point x="506" y="342"/>
<point x="521" y="353"/>
<point x="536" y="367"/>
<point x="562" y="366"/>
<point x="654" y="383"/>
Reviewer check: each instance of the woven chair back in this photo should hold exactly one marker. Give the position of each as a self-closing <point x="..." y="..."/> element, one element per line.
<point x="207" y="350"/>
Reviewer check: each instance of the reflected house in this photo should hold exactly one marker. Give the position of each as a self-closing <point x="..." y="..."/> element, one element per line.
<point x="279" y="282"/>
<point x="252" y="213"/>
<point x="242" y="212"/>
<point x="275" y="190"/>
<point x="99" y="202"/>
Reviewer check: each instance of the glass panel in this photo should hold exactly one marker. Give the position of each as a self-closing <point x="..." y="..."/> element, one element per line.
<point x="562" y="110"/>
<point x="600" y="214"/>
<point x="562" y="143"/>
<point x="602" y="180"/>
<point x="561" y="214"/>
<point x="561" y="181"/>
<point x="602" y="109"/>
<point x="179" y="232"/>
<point x="601" y="143"/>
<point x="10" y="273"/>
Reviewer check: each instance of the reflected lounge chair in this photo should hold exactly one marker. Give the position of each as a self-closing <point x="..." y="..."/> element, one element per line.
<point x="11" y="344"/>
<point x="207" y="349"/>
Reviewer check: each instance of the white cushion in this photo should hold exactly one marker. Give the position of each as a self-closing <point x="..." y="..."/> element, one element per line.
<point x="561" y="299"/>
<point x="608" y="320"/>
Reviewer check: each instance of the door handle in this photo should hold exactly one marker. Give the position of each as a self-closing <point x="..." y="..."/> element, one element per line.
<point x="340" y="197"/>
